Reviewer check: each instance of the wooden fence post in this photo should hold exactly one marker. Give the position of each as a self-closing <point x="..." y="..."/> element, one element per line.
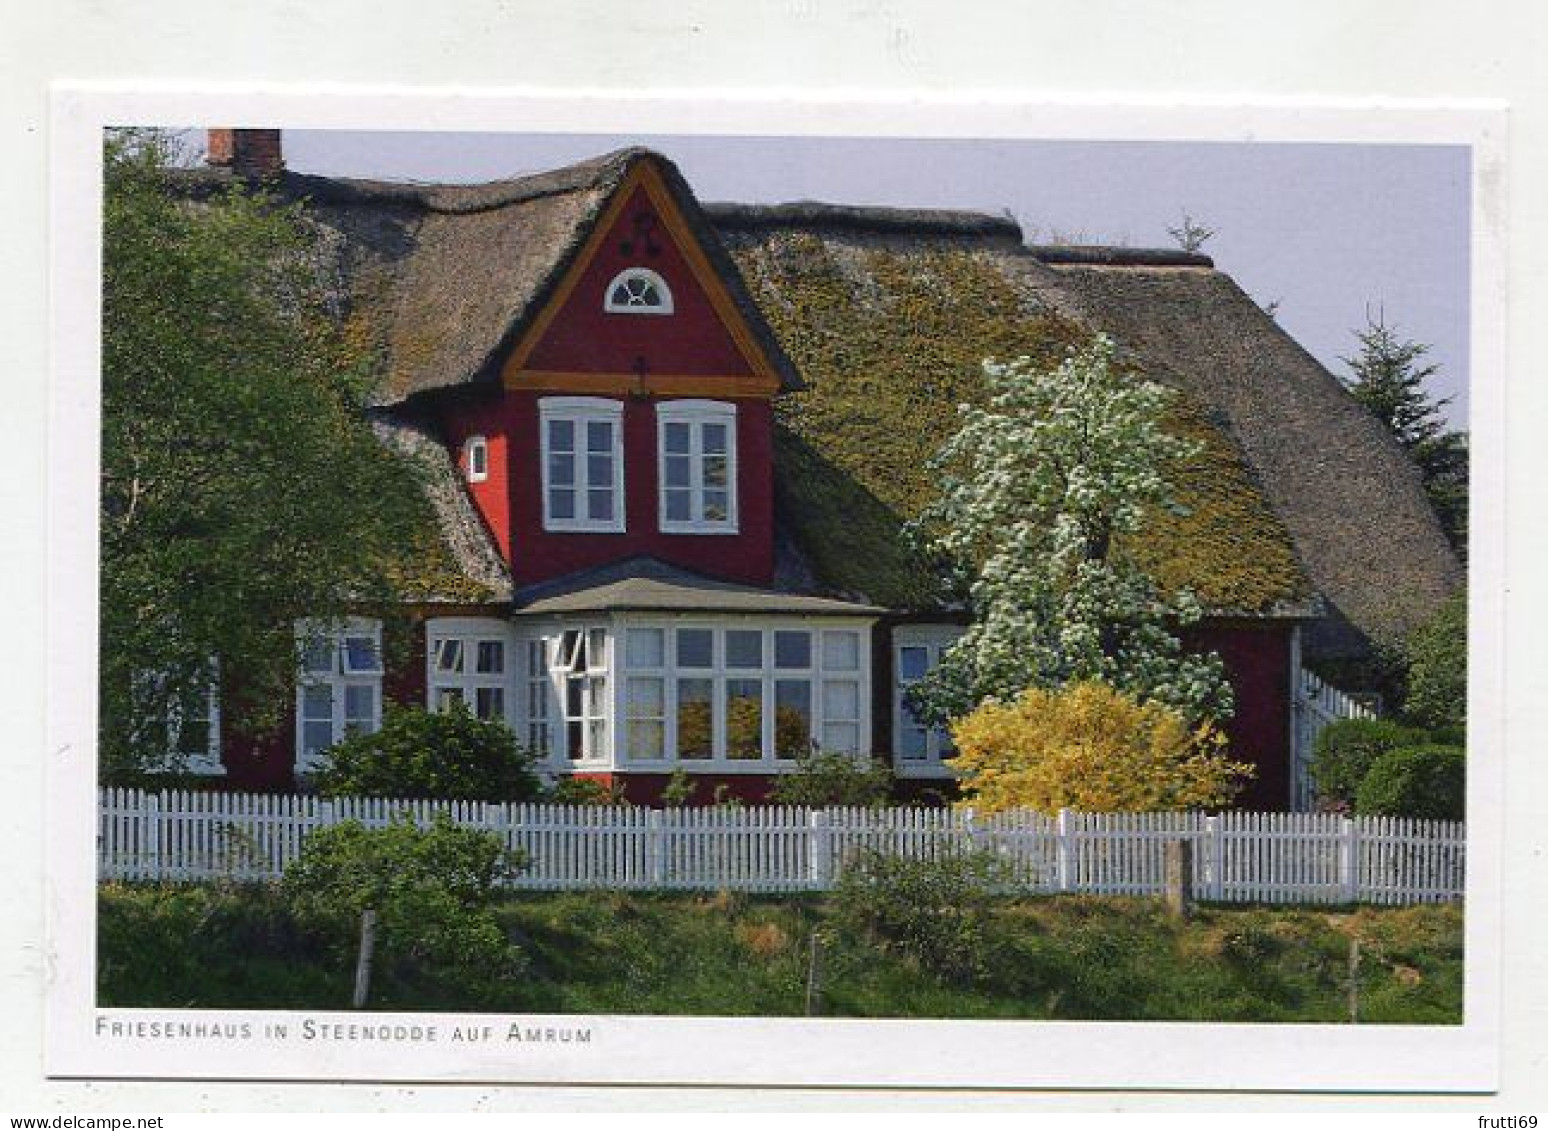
<point x="1063" y="852"/>
<point x="820" y="851"/>
<point x="363" y="960"/>
<point x="1179" y="878"/>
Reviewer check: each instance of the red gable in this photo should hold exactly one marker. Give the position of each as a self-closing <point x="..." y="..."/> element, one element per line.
<point x="591" y="339"/>
<point x="584" y="337"/>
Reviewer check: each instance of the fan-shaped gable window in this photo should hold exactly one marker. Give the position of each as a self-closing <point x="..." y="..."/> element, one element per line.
<point x="638" y="290"/>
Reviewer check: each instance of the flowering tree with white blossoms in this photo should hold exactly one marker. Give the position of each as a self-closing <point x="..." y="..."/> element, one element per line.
<point x="1040" y="489"/>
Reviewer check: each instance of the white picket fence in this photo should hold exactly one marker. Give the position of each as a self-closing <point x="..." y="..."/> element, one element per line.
<point x="1316" y="705"/>
<point x="1239" y="857"/>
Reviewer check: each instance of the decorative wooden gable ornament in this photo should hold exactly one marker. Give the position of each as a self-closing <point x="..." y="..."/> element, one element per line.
<point x="641" y="310"/>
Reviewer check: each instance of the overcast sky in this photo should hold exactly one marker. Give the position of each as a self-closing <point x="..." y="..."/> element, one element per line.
<point x="1326" y="231"/>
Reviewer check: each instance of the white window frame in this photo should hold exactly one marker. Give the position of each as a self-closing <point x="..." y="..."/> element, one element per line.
<point x="205" y="763"/>
<point x="538" y="700"/>
<point x="581" y="412"/>
<point x="475" y="458"/>
<point x="468" y="633"/>
<point x="599" y="704"/>
<point x="624" y="278"/>
<point x="344" y="673"/>
<point x="935" y="639"/>
<point x="695" y="414"/>
<point x="815" y="675"/>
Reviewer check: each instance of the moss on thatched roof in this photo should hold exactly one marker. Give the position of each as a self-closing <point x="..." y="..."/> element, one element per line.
<point x="1349" y="496"/>
<point x="890" y="331"/>
<point x="446" y="555"/>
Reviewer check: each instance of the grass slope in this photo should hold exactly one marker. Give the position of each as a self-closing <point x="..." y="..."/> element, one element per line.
<point x="1066" y="958"/>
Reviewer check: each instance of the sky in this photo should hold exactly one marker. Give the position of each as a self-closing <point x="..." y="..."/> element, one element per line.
<point x="1332" y="233"/>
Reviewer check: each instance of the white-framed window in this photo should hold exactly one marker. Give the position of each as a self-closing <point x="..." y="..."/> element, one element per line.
<point x="580" y="665"/>
<point x="696" y="452"/>
<point x="469" y="664"/>
<point x="637" y="290"/>
<point x="340" y="685"/>
<point x="916" y="649"/>
<point x="539" y="684"/>
<point x="475" y="458"/>
<point x="742" y="695"/>
<point x="583" y="465"/>
<point x="180" y="730"/>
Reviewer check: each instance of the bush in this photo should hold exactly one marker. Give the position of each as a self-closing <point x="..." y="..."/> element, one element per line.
<point x="586" y="791"/>
<point x="935" y="911"/>
<point x="1417" y="781"/>
<point x="431" y="890"/>
<point x="1348" y="748"/>
<point x="430" y="754"/>
<point x="822" y="779"/>
<point x="1437" y="668"/>
<point x="1089" y="746"/>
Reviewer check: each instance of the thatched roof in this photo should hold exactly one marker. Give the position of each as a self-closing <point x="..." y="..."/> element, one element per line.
<point x="890" y="327"/>
<point x="452" y="558"/>
<point x="447" y="277"/>
<point x="1299" y="493"/>
<point x="1349" y="495"/>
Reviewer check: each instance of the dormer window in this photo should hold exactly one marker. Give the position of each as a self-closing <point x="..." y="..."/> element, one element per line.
<point x="475" y="458"/>
<point x="638" y="290"/>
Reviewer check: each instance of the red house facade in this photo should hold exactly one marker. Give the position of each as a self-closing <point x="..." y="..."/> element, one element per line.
<point x="616" y="422"/>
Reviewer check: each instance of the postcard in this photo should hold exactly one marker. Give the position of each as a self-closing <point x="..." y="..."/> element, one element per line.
<point x="890" y="593"/>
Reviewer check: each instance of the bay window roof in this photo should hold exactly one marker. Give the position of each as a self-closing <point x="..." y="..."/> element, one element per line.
<point x="645" y="584"/>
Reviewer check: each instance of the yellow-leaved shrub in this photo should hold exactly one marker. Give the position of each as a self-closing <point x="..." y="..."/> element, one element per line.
<point x="1089" y="746"/>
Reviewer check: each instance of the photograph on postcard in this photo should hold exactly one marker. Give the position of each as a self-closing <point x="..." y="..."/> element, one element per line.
<point x="781" y="576"/>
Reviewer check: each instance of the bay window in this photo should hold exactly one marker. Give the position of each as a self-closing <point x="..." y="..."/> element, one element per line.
<point x="742" y="696"/>
<point x="580" y="663"/>
<point x="583" y="464"/>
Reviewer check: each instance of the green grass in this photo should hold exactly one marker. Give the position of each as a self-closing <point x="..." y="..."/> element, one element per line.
<point x="1065" y="958"/>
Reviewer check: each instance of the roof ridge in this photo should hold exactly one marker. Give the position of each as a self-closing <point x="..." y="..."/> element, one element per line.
<point x="456" y="199"/>
<point x="1113" y="255"/>
<point x="862" y="217"/>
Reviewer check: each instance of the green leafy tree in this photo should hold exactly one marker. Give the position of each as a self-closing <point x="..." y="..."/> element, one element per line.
<point x="432" y="889"/>
<point x="432" y="754"/>
<point x="1388" y="376"/>
<point x="241" y="487"/>
<point x="1437" y="668"/>
<point x="1040" y="492"/>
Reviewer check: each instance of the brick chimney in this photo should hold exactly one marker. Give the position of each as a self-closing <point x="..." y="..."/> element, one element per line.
<point x="247" y="153"/>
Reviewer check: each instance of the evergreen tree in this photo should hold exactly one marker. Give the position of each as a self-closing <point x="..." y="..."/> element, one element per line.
<point x="1388" y="377"/>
